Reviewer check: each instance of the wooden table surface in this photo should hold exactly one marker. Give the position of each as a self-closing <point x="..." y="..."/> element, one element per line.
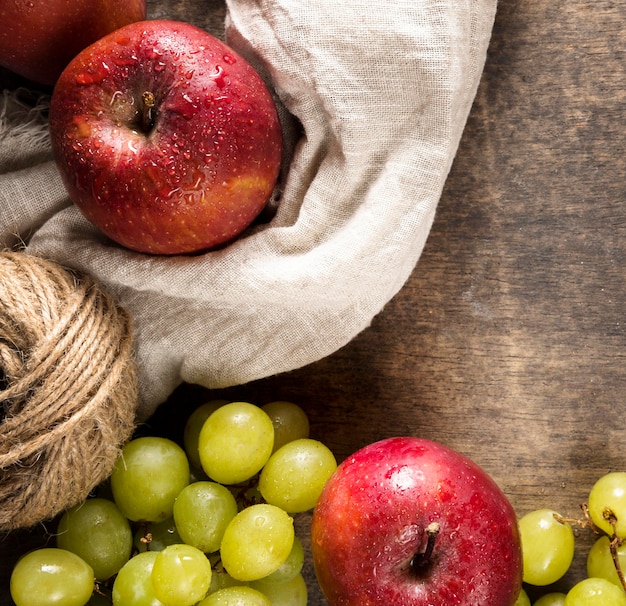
<point x="507" y="342"/>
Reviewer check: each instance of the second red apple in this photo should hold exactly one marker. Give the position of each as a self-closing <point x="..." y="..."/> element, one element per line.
<point x="410" y="522"/>
<point x="166" y="139"/>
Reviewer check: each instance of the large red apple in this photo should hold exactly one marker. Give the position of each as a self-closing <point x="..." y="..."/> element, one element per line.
<point x="410" y="522"/>
<point x="38" y="38"/>
<point x="166" y="138"/>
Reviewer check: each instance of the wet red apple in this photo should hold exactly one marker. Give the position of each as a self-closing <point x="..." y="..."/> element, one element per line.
<point x="410" y="522"/>
<point x="38" y="38"/>
<point x="167" y="140"/>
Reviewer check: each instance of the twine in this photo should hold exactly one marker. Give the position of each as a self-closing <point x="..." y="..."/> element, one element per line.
<point x="68" y="391"/>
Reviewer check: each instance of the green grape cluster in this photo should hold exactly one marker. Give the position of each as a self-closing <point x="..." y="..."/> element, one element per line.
<point x="548" y="549"/>
<point x="205" y="522"/>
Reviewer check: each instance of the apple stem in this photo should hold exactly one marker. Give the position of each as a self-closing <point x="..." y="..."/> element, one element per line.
<point x="420" y="561"/>
<point x="147" y="114"/>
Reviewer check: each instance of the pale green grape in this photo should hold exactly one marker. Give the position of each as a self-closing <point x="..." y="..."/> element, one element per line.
<point x="256" y="542"/>
<point x="97" y="531"/>
<point x="147" y="477"/>
<point x="202" y="512"/>
<point x="290" y="593"/>
<point x="51" y="577"/>
<point x="547" y="547"/>
<point x="295" y="475"/>
<point x="194" y="424"/>
<point x="595" y="592"/>
<point x="600" y="561"/>
<point x="522" y="599"/>
<point x="551" y="599"/>
<point x="609" y="494"/>
<point x="236" y="596"/>
<point x="289" y="420"/>
<point x="235" y="442"/>
<point x="291" y="567"/>
<point x="156" y="536"/>
<point x="133" y="583"/>
<point x="181" y="575"/>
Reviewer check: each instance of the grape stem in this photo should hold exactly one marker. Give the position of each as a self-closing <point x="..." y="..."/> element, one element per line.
<point x="615" y="542"/>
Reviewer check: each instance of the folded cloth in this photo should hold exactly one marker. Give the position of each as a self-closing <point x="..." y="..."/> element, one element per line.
<point x="380" y="95"/>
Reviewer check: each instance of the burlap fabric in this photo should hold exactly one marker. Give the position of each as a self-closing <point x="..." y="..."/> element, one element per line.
<point x="380" y="93"/>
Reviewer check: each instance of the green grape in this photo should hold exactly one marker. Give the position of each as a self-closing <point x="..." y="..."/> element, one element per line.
<point x="51" y="577"/>
<point x="147" y="477"/>
<point x="595" y="592"/>
<point x="202" y="511"/>
<point x="600" y="561"/>
<point x="522" y="599"/>
<point x="181" y="575"/>
<point x="609" y="494"/>
<point x="551" y="599"/>
<point x="290" y="593"/>
<point x="97" y="531"/>
<point x="194" y="424"/>
<point x="236" y="596"/>
<point x="256" y="542"/>
<point x="133" y="583"/>
<point x="235" y="442"/>
<point x="289" y="420"/>
<point x="291" y="567"/>
<point x="547" y="547"/>
<point x="295" y="475"/>
<point x="156" y="536"/>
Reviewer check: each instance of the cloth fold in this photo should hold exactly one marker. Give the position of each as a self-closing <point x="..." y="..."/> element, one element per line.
<point x="374" y="101"/>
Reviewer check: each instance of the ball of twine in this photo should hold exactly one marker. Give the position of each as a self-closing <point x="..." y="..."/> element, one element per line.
<point x="68" y="388"/>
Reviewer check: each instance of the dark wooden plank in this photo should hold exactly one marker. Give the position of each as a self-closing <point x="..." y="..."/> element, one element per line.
<point x="507" y="342"/>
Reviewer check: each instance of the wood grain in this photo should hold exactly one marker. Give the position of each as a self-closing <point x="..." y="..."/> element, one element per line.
<point x="507" y="342"/>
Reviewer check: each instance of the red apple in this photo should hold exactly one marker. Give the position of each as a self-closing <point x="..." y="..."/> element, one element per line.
<point x="409" y="522"/>
<point x="38" y="38"/>
<point x="166" y="139"/>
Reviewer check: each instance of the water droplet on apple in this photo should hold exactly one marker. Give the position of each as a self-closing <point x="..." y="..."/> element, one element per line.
<point x="229" y="59"/>
<point x="122" y="61"/>
<point x="219" y="76"/>
<point x="159" y="66"/>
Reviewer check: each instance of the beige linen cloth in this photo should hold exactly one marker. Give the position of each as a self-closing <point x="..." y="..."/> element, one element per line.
<point x="382" y="91"/>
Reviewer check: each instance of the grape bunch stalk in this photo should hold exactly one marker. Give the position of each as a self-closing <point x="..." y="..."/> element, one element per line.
<point x="207" y="522"/>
